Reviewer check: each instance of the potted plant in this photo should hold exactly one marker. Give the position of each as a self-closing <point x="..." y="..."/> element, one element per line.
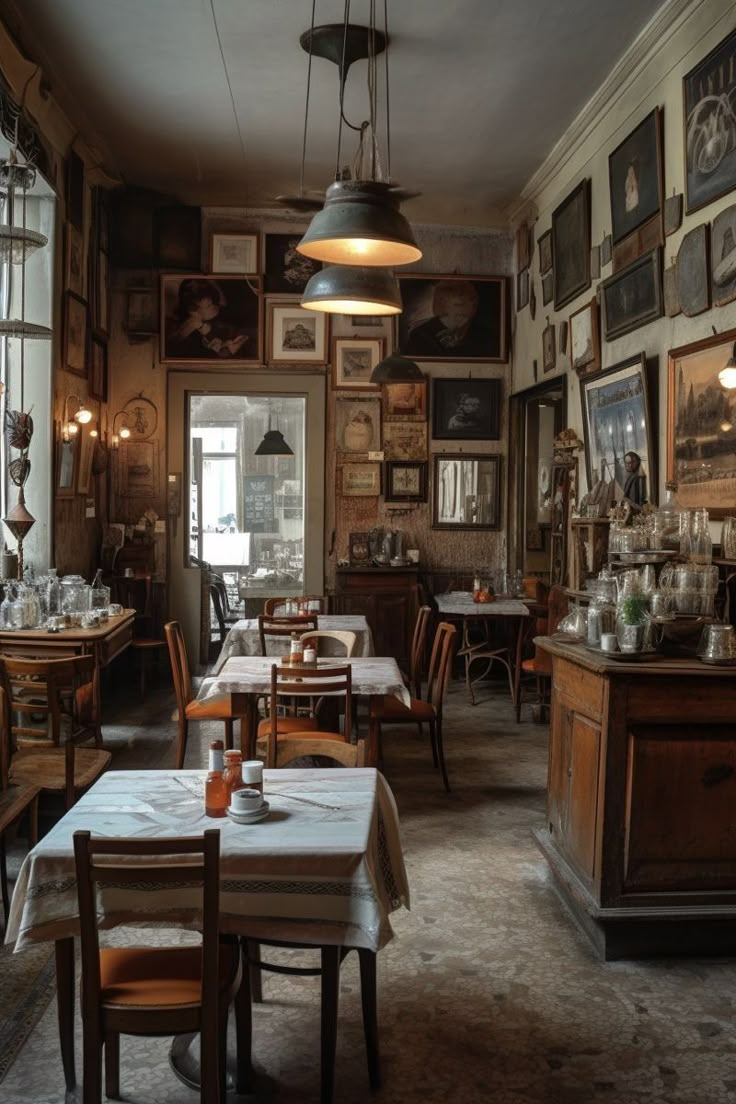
<point x="631" y="620"/>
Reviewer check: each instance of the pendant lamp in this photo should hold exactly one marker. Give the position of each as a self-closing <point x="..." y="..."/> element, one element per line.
<point x="360" y="223"/>
<point x="353" y="289"/>
<point x="273" y="443"/>
<point x="396" y="369"/>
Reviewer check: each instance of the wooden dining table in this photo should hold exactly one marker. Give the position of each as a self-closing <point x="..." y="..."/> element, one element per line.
<point x="324" y="868"/>
<point x="247" y="678"/>
<point x="104" y="642"/>
<point x="460" y="606"/>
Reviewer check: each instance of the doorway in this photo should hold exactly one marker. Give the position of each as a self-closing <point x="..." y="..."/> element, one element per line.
<point x="537" y="415"/>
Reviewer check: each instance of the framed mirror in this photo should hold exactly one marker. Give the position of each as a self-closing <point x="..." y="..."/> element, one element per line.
<point x="466" y="491"/>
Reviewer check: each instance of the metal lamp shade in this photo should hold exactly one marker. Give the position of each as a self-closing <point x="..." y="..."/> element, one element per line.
<point x="273" y="444"/>
<point x="353" y="289"/>
<point x="360" y="224"/>
<point x="396" y="369"/>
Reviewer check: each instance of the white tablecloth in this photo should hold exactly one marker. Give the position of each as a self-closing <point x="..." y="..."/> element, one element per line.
<point x="252" y="675"/>
<point x="243" y="639"/>
<point x="330" y="872"/>
<point x="459" y="603"/>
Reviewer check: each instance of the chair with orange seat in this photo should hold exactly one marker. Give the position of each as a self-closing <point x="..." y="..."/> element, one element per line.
<point x="189" y="708"/>
<point x="156" y="991"/>
<point x="544" y="619"/>
<point x="304" y="682"/>
<point x="136" y="593"/>
<point x="429" y="711"/>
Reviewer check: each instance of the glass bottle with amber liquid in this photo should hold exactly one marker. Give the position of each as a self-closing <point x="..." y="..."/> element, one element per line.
<point x="216" y="794"/>
<point x="233" y="773"/>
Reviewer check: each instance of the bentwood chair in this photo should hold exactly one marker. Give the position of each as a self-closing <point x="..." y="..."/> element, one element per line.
<point x="270" y="627"/>
<point x="15" y="800"/>
<point x="47" y="714"/>
<point x="304" y="603"/>
<point x="420" y="712"/>
<point x="304" y="683"/>
<point x="156" y="991"/>
<point x="344" y="637"/>
<point x="188" y="707"/>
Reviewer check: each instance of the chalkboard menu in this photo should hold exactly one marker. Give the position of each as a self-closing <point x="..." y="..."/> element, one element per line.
<point x="258" y="497"/>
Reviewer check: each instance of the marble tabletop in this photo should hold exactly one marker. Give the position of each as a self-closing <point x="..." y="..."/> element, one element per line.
<point x="459" y="603"/>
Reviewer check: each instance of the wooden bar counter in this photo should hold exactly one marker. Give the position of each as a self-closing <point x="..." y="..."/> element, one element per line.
<point x="641" y="801"/>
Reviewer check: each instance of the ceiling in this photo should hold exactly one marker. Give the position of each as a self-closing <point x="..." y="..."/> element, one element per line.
<point x="480" y="91"/>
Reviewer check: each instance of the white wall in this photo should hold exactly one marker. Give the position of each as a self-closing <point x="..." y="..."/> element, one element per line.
<point x="656" y="81"/>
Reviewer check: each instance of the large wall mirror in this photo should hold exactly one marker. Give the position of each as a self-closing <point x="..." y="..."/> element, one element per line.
<point x="467" y="492"/>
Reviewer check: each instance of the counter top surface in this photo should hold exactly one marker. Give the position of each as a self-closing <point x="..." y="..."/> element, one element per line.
<point x="657" y="665"/>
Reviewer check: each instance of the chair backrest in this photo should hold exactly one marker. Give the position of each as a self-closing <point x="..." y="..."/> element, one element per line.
<point x="440" y="662"/>
<point x="338" y="751"/>
<point x="104" y="862"/>
<point x="418" y="645"/>
<point x="289" y="607"/>
<point x="332" y="681"/>
<point x="557" y="606"/>
<point x="179" y="665"/>
<point x="343" y="636"/>
<point x="136" y="593"/>
<point x="40" y="692"/>
<point x="535" y="589"/>
<point x="282" y="626"/>
<point x="216" y="597"/>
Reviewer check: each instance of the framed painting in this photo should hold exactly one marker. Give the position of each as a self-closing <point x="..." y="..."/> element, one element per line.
<point x="633" y="297"/>
<point x="368" y="325"/>
<point x="466" y="409"/>
<point x="405" y="440"/>
<point x="617" y="431"/>
<point x="361" y="480"/>
<point x="178" y="237"/>
<point x="359" y="549"/>
<point x="295" y="335"/>
<point x="585" y="339"/>
<point x="210" y="319"/>
<point x="75" y="334"/>
<point x="353" y="360"/>
<point x="466" y="491"/>
<point x="701" y="425"/>
<point x="236" y="253"/>
<point x="636" y="177"/>
<point x="522" y="289"/>
<point x="98" y="368"/>
<point x="549" y="348"/>
<point x="286" y="270"/>
<point x="357" y="425"/>
<point x="453" y="318"/>
<point x="523" y="253"/>
<point x="74" y="268"/>
<point x="406" y="481"/>
<point x="102" y="295"/>
<point x="544" y="246"/>
<point x="404" y="402"/>
<point x="141" y="311"/>
<point x="709" y="100"/>
<point x="571" y="245"/>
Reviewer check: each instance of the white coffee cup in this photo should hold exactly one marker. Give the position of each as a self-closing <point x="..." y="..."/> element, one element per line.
<point x="246" y="801"/>
<point x="609" y="643"/>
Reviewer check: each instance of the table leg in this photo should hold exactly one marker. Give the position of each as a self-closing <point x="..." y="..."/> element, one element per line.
<point x="245" y="706"/>
<point x="517" y="659"/>
<point x="373" y="744"/>
<point x="65" y="1007"/>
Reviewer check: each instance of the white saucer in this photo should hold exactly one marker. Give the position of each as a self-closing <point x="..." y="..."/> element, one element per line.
<point x="249" y="818"/>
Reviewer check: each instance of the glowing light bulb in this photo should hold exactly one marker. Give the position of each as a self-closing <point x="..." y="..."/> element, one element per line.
<point x="125" y="433"/>
<point x="83" y="415"/>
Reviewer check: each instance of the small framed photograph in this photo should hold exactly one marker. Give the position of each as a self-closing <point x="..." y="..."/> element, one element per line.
<point x="178" y="237"/>
<point x="522" y="289"/>
<point x="545" y="253"/>
<point x="236" y="253"/>
<point x="75" y="334"/>
<point x="74" y="268"/>
<point x="98" y="368"/>
<point x="466" y="409"/>
<point x="364" y="325"/>
<point x="585" y="339"/>
<point x="523" y="253"/>
<point x="295" y="335"/>
<point x="141" y="311"/>
<point x="362" y="480"/>
<point x="359" y="549"/>
<point x="357" y="425"/>
<point x="549" y="348"/>
<point x="633" y="297"/>
<point x="404" y="402"/>
<point x="406" y="481"/>
<point x="86" y="452"/>
<point x="66" y="467"/>
<point x="210" y="318"/>
<point x="286" y="270"/>
<point x="636" y="177"/>
<point x="353" y="360"/>
<point x="405" y="440"/>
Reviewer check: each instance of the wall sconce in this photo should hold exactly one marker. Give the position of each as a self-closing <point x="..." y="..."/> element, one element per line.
<point x="727" y="374"/>
<point x="70" y="426"/>
<point x="123" y="433"/>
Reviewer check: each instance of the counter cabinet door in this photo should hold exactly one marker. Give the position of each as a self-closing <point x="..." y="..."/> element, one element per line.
<point x="572" y="802"/>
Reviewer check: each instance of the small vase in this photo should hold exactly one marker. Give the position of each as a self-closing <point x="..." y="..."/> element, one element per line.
<point x="630" y="637"/>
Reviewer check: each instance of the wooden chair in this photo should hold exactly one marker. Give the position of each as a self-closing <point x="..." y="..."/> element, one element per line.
<point x="137" y="593"/>
<point x="343" y="636"/>
<point x="188" y="707"/>
<point x="156" y="991"/>
<point x="51" y="700"/>
<point x="279" y="627"/>
<point x="15" y="800"/>
<point x="313" y="683"/>
<point x="304" y="603"/>
<point x="544" y="619"/>
<point x="417" y="655"/>
<point x="420" y="712"/>
<point x="230" y="616"/>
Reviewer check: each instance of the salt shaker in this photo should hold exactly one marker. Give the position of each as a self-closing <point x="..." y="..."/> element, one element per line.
<point x="310" y="654"/>
<point x="252" y="774"/>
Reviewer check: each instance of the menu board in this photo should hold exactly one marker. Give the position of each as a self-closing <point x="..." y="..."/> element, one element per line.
<point x="258" y="503"/>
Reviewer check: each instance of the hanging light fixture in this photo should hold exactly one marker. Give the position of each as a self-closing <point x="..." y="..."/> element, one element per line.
<point x="360" y="224"/>
<point x="18" y="243"/>
<point x="273" y="443"/>
<point x="83" y="415"/>
<point x="727" y="374"/>
<point x="123" y="433"/>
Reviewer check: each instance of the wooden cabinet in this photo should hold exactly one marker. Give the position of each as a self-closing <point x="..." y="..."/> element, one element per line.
<point x="387" y="597"/>
<point x="641" y="792"/>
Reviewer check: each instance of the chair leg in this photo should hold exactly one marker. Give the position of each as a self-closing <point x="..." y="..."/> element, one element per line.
<point x="91" y="1064"/>
<point x="211" y="1059"/>
<point x="437" y="735"/>
<point x="330" y="1001"/>
<point x="181" y="742"/>
<point x="222" y="1016"/>
<point x="4" y="881"/>
<point x="369" y="999"/>
<point x="112" y="1066"/>
<point x="244" y="1026"/>
<point x="433" y="744"/>
<point x="253" y="958"/>
<point x="229" y="734"/>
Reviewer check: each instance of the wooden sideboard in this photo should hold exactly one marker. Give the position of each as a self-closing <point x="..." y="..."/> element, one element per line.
<point x="387" y="597"/>
<point x="641" y="801"/>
